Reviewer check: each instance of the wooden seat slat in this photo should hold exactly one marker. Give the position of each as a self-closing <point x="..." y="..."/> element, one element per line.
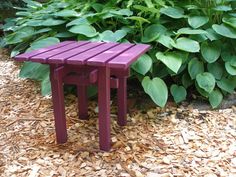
<point x="61" y="58"/>
<point x="103" y="58"/>
<point x="42" y="58"/>
<point x="82" y="57"/>
<point x="126" y="58"/>
<point x="27" y="55"/>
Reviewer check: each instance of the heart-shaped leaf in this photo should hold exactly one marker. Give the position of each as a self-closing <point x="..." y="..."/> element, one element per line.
<point x="215" y="98"/>
<point x="190" y="31"/>
<point x="152" y="32"/>
<point x="206" y="81"/>
<point x="216" y="69"/>
<point x="143" y="64"/>
<point x="231" y="21"/>
<point x="156" y="89"/>
<point x="196" y="21"/>
<point x="173" y="60"/>
<point x="195" y="67"/>
<point x="52" y="22"/>
<point x="109" y="36"/>
<point x="166" y="41"/>
<point x="178" y="92"/>
<point x="226" y="85"/>
<point x="84" y="29"/>
<point x="186" y="44"/>
<point x="211" y="51"/>
<point x="44" y="43"/>
<point x="230" y="69"/>
<point x="67" y="13"/>
<point x="173" y="12"/>
<point x="224" y="30"/>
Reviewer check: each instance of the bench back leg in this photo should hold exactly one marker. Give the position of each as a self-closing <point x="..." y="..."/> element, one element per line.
<point x="104" y="108"/>
<point x="83" y="102"/>
<point x="58" y="106"/>
<point x="122" y="101"/>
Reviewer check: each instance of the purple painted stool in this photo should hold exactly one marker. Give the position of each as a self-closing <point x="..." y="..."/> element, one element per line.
<point x="84" y="63"/>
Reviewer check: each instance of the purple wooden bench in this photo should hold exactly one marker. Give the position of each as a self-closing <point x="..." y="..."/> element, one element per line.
<point x="84" y="63"/>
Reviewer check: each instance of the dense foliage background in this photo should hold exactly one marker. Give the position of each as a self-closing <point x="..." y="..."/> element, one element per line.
<point x="193" y="41"/>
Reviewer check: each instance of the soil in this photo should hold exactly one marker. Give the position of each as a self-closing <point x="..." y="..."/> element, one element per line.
<point x="174" y="141"/>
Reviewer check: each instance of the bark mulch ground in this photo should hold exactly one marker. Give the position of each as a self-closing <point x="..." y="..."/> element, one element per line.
<point x="175" y="141"/>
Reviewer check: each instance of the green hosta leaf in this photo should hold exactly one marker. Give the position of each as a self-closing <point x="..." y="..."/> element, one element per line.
<point x="86" y="30"/>
<point x="230" y="69"/>
<point x="173" y="12"/>
<point x="201" y="91"/>
<point x="197" y="21"/>
<point x="23" y="14"/>
<point x="46" y="86"/>
<point x="67" y="13"/>
<point x="20" y="47"/>
<point x="79" y="21"/>
<point x="52" y="22"/>
<point x="139" y="19"/>
<point x="187" y="45"/>
<point x="178" y="92"/>
<point x="109" y="36"/>
<point x="223" y="8"/>
<point x="216" y="69"/>
<point x="190" y="31"/>
<point x="195" y="67"/>
<point x="166" y="41"/>
<point x="230" y="21"/>
<point x="173" y="60"/>
<point x="226" y="85"/>
<point x="35" y="71"/>
<point x="64" y="35"/>
<point x="152" y="32"/>
<point x="122" y="12"/>
<point x="215" y="98"/>
<point x="156" y="89"/>
<point x="44" y="43"/>
<point x="186" y="80"/>
<point x="211" y="51"/>
<point x="224" y="30"/>
<point x="143" y="64"/>
<point x="212" y="35"/>
<point x="206" y="81"/>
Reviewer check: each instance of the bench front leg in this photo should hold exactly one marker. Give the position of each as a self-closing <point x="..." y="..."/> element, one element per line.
<point x="82" y="101"/>
<point x="122" y="101"/>
<point x="104" y="108"/>
<point x="58" y="106"/>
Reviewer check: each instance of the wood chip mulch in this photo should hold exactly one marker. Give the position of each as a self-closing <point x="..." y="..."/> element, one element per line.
<point x="175" y="141"/>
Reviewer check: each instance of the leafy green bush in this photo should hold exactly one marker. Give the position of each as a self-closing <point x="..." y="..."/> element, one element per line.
<point x="192" y="41"/>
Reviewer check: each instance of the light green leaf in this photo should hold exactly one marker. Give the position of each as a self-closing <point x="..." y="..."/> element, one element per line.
<point x="46" y="86"/>
<point x="85" y="29"/>
<point x="173" y="12"/>
<point x="44" y="43"/>
<point x="231" y="21"/>
<point x="230" y="69"/>
<point x="52" y="22"/>
<point x="79" y="21"/>
<point x="64" y="35"/>
<point x="173" y="60"/>
<point x="143" y="64"/>
<point x="178" y="92"/>
<point x="206" y="81"/>
<point x="215" y="98"/>
<point x="226" y="85"/>
<point x="152" y="32"/>
<point x="156" y="89"/>
<point x="197" y="21"/>
<point x="224" y="30"/>
<point x="166" y="41"/>
<point x="195" y="67"/>
<point x="139" y="19"/>
<point x="67" y="13"/>
<point x="190" y="31"/>
<point x="216" y="69"/>
<point x="186" y="44"/>
<point x="211" y="51"/>
<point x="123" y="12"/>
<point x="109" y="36"/>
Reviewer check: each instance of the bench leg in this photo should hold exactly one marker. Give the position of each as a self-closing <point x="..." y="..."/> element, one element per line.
<point x="122" y="101"/>
<point x="104" y="108"/>
<point x="58" y="107"/>
<point x="83" y="102"/>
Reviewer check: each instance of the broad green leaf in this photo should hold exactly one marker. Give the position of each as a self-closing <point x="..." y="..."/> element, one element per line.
<point x="67" y="13"/>
<point x="201" y="91"/>
<point x="139" y="19"/>
<point x="152" y="32"/>
<point x="231" y="21"/>
<point x="173" y="12"/>
<point x="85" y="29"/>
<point x="173" y="60"/>
<point x="211" y="51"/>
<point x="212" y="35"/>
<point x="224" y="30"/>
<point x="197" y="21"/>
<point x="44" y="43"/>
<point x="190" y="31"/>
<point x="143" y="64"/>
<point x="206" y="81"/>
<point x="223" y="8"/>
<point x="122" y="12"/>
<point x="178" y="92"/>
<point x="79" y="21"/>
<point x="16" y="50"/>
<point x="64" y="35"/>
<point x="195" y="67"/>
<point x="186" y="44"/>
<point x="46" y="86"/>
<point x="26" y="14"/>
<point x="215" y="98"/>
<point x="109" y="36"/>
<point x="226" y="85"/>
<point x="156" y="89"/>
<point x="186" y="80"/>
<point x="230" y="69"/>
<point x="216" y="69"/>
<point x="52" y="22"/>
<point x="166" y="41"/>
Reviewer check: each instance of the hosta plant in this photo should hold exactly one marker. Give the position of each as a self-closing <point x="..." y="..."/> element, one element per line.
<point x="193" y="42"/>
